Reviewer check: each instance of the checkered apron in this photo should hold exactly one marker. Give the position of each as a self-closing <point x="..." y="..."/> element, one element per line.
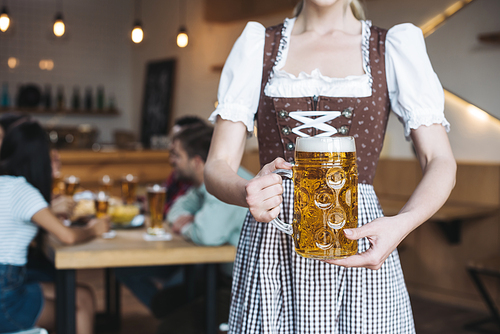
<point x="277" y="291"/>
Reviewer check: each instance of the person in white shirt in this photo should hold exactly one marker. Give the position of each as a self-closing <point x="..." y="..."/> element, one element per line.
<point x="325" y="72"/>
<point x="25" y="191"/>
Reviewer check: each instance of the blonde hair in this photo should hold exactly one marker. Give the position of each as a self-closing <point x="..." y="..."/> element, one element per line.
<point x="356" y="7"/>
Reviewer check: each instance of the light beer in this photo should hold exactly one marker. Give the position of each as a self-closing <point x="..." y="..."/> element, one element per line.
<point x="156" y="201"/>
<point x="71" y="183"/>
<point x="129" y="189"/>
<point x="325" y="180"/>
<point x="101" y="204"/>
<point x="105" y="184"/>
<point x="58" y="186"/>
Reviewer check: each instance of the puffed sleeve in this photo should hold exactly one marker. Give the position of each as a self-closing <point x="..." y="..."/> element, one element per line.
<point x="416" y="94"/>
<point x="240" y="82"/>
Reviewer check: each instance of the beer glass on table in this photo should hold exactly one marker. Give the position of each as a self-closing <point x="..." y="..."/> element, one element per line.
<point x="325" y="178"/>
<point x="101" y="204"/>
<point x="71" y="183"/>
<point x="58" y="186"/>
<point x="129" y="188"/>
<point x="156" y="201"/>
<point x="105" y="184"/>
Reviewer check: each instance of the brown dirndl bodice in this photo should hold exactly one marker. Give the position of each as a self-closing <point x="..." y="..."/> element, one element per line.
<point x="364" y="118"/>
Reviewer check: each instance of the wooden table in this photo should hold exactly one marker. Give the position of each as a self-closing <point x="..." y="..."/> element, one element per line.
<point x="128" y="249"/>
<point x="449" y="217"/>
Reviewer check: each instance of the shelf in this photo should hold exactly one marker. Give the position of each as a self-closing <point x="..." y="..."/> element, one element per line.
<point x="62" y="112"/>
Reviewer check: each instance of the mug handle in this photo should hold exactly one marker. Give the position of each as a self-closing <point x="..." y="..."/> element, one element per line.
<point x="280" y="225"/>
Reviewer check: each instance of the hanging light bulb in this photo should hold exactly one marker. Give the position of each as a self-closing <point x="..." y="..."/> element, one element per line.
<point x="182" y="37"/>
<point x="59" y="27"/>
<point x="4" y="19"/>
<point x="137" y="33"/>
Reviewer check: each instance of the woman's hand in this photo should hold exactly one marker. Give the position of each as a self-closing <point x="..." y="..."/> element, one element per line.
<point x="62" y="206"/>
<point x="99" y="225"/>
<point x="264" y="191"/>
<point x="384" y="235"/>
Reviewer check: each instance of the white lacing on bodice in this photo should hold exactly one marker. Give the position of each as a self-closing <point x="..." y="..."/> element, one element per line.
<point x="317" y="123"/>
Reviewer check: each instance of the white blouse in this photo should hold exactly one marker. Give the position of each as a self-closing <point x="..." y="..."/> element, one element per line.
<point x="415" y="92"/>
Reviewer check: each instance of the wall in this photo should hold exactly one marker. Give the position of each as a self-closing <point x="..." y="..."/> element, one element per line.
<point x="96" y="50"/>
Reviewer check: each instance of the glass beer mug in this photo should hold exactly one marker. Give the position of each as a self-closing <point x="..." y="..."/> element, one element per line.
<point x="325" y="177"/>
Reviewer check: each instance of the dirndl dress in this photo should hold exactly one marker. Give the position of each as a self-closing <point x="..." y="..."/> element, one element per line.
<point x="274" y="289"/>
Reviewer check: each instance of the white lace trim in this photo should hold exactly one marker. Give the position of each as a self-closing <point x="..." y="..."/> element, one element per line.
<point x="234" y="113"/>
<point x="365" y="48"/>
<point x="284" y="84"/>
<point x="427" y="119"/>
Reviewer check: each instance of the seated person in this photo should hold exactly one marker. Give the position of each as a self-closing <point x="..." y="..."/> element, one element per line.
<point x="175" y="186"/>
<point x="39" y="268"/>
<point x="25" y="190"/>
<point x="197" y="215"/>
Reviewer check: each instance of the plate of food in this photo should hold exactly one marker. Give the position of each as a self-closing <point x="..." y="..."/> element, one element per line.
<point x="122" y="215"/>
<point x="125" y="216"/>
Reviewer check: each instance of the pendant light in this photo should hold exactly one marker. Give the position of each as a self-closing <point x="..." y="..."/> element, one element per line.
<point x="137" y="34"/>
<point x="59" y="27"/>
<point x="4" y="19"/>
<point x="182" y="36"/>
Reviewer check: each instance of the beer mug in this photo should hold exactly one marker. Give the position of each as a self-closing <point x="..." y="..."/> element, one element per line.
<point x="71" y="184"/>
<point x="101" y="202"/>
<point x="325" y="177"/>
<point x="129" y="188"/>
<point x="156" y="201"/>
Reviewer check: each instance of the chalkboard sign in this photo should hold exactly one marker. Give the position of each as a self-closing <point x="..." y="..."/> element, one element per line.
<point x="157" y="106"/>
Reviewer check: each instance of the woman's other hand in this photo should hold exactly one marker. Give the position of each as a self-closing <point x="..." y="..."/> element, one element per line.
<point x="62" y="206"/>
<point x="100" y="225"/>
<point x="264" y="191"/>
<point x="384" y="235"/>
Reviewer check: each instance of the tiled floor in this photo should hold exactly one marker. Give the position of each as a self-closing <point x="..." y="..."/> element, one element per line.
<point x="430" y="317"/>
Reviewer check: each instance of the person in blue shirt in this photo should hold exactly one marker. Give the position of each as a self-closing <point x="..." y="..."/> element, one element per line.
<point x="196" y="215"/>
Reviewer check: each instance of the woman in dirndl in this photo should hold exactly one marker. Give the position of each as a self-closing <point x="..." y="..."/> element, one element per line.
<point x="325" y="72"/>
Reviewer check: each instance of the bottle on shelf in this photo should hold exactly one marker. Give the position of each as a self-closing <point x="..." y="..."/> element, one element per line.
<point x="100" y="98"/>
<point x="75" y="100"/>
<point x="111" y="102"/>
<point x="88" y="98"/>
<point x="60" y="98"/>
<point x="5" y="101"/>
<point x="47" y="97"/>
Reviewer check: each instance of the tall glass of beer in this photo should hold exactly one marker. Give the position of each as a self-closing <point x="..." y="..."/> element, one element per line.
<point x="101" y="204"/>
<point x="156" y="202"/>
<point x="105" y="184"/>
<point x="129" y="188"/>
<point x="71" y="183"/>
<point x="325" y="177"/>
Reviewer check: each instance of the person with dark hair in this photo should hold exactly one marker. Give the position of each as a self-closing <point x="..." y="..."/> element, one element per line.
<point x="177" y="187"/>
<point x="38" y="266"/>
<point x="196" y="215"/>
<point x="25" y="191"/>
<point x="61" y="206"/>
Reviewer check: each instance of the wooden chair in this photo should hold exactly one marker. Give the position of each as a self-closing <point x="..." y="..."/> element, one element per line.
<point x="477" y="269"/>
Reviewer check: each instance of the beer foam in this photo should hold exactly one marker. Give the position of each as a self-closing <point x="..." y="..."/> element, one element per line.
<point x="325" y="144"/>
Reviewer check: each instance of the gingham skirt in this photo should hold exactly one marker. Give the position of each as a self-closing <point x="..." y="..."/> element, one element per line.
<point x="277" y="291"/>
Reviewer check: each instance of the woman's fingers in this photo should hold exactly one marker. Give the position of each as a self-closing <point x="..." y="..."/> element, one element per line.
<point x="383" y="234"/>
<point x="278" y="163"/>
<point x="264" y="195"/>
